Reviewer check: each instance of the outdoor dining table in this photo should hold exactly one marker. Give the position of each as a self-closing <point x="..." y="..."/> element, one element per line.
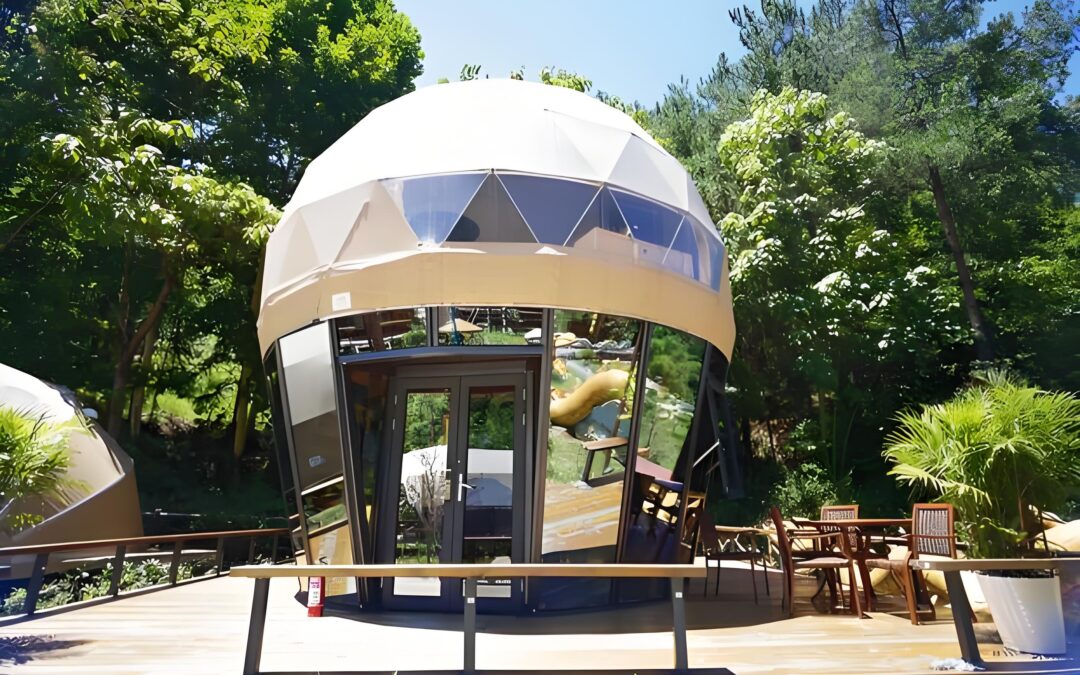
<point x="864" y="527"/>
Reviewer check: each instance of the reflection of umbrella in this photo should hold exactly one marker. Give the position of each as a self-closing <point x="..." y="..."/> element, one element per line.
<point x="460" y="325"/>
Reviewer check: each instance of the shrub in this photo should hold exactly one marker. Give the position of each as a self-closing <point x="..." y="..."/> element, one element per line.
<point x="804" y="490"/>
<point x="999" y="451"/>
<point x="33" y="459"/>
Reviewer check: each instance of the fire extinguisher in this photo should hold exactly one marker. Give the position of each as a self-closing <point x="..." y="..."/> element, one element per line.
<point x="315" y="595"/>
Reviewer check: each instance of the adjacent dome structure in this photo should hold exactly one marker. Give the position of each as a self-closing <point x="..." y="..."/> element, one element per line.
<point x="496" y="322"/>
<point x="569" y="201"/>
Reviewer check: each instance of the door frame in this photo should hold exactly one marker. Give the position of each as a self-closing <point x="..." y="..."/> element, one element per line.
<point x="457" y="379"/>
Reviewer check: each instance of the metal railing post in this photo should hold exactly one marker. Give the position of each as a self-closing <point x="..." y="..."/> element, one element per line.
<point x="37" y="578"/>
<point x="174" y="567"/>
<point x="219" y="560"/>
<point x="117" y="570"/>
<point x="274" y="550"/>
<point x="251" y="550"/>
<point x="679" y="623"/>
<point x="470" y="625"/>
<point x="256" y="626"/>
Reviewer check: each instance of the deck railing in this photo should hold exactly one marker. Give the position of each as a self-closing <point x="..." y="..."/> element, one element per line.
<point x="123" y="546"/>
<point x="470" y="573"/>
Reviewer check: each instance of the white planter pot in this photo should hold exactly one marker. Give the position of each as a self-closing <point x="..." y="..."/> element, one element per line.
<point x="1027" y="612"/>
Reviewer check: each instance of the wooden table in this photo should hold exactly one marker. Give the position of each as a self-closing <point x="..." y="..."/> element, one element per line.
<point x="845" y="525"/>
<point x="961" y="607"/>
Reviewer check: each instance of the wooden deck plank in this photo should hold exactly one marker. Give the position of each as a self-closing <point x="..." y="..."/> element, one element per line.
<point x="200" y="628"/>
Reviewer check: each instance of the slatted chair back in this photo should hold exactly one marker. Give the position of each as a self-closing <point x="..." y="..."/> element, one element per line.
<point x="842" y="512"/>
<point x="932" y="530"/>
<point x="783" y="544"/>
<point x="708" y="539"/>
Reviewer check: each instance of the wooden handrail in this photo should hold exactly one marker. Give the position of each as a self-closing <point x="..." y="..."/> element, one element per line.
<point x="470" y="573"/>
<point x="475" y="571"/>
<point x="42" y="552"/>
<point x="140" y="541"/>
<point x="986" y="564"/>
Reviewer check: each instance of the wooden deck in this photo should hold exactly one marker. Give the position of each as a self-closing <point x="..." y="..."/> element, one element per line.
<point x="200" y="627"/>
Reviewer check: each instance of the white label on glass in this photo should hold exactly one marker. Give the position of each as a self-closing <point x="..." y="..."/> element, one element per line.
<point x="316" y="461"/>
<point x="341" y="301"/>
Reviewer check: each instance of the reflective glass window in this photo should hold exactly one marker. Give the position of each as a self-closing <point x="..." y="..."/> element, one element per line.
<point x="324" y="504"/>
<point x="334" y="547"/>
<point x="673" y="375"/>
<point x="602" y="227"/>
<point x="648" y="220"/>
<point x="382" y="331"/>
<point x="591" y="401"/>
<point x="367" y="386"/>
<point x="461" y="326"/>
<point x="491" y="216"/>
<point x="432" y="205"/>
<point x="713" y="258"/>
<point x="683" y="255"/>
<point x="308" y="366"/>
<point x="551" y="207"/>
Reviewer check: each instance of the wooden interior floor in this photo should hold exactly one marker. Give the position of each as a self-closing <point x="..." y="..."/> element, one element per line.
<point x="201" y="627"/>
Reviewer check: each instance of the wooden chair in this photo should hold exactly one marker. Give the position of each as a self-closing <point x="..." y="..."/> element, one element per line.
<point x="714" y="551"/>
<point x="825" y="560"/>
<point x="856" y="545"/>
<point x="840" y="512"/>
<point x="931" y="534"/>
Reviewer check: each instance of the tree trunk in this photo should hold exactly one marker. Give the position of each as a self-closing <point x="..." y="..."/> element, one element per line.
<point x="122" y="372"/>
<point x="138" y="395"/>
<point x="242" y="411"/>
<point x="983" y="348"/>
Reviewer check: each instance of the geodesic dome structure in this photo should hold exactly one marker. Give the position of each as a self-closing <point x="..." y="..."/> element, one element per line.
<point x="497" y="192"/>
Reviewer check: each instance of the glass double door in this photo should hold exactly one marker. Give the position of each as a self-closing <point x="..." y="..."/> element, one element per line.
<point x="456" y="469"/>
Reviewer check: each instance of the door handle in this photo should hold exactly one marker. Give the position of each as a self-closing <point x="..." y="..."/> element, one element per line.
<point x="462" y="485"/>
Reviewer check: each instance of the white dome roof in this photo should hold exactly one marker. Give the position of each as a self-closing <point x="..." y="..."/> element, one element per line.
<point x="501" y="124"/>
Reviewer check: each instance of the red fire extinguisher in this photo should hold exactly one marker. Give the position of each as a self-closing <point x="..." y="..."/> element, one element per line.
<point x="315" y="595"/>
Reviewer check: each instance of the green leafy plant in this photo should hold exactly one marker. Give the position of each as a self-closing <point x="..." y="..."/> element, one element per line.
<point x="999" y="451"/>
<point x="804" y="490"/>
<point x="33" y="460"/>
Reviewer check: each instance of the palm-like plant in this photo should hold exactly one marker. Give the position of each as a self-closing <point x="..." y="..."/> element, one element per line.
<point x="33" y="459"/>
<point x="998" y="451"/>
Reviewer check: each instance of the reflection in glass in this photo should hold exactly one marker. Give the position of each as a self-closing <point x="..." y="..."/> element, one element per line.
<point x="432" y="205"/>
<point x="424" y="487"/>
<point x="462" y="326"/>
<point x="382" y="331"/>
<point x="602" y="227"/>
<point x="591" y="400"/>
<point x="308" y="370"/>
<point x="324" y="505"/>
<point x="334" y="547"/>
<point x="367" y="386"/>
<point x="673" y="374"/>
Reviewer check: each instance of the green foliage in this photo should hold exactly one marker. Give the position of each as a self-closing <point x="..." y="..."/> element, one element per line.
<point x="999" y="451"/>
<point x="78" y="585"/>
<point x="804" y="490"/>
<point x="33" y="459"/>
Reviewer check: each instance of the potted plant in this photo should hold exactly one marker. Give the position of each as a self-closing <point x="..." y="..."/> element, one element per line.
<point x="1001" y="452"/>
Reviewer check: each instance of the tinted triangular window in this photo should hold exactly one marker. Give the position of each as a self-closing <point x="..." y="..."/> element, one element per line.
<point x="551" y="207"/>
<point x="491" y="216"/>
<point x="432" y="204"/>
<point x="648" y="220"/>
<point x="683" y="256"/>
<point x="603" y="215"/>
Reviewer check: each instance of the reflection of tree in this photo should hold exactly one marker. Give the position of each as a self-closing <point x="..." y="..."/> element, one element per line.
<point x="422" y="499"/>
<point x="491" y="421"/>
<point x="425" y="413"/>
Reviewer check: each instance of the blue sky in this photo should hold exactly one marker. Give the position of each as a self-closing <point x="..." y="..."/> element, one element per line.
<point x="627" y="48"/>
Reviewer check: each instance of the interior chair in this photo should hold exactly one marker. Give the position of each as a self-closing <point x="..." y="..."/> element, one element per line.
<point x="931" y="534"/>
<point x="714" y="551"/>
<point x="828" y="560"/>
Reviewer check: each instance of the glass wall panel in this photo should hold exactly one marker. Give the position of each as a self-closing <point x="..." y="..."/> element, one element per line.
<point x="432" y="205"/>
<point x="424" y="489"/>
<point x="673" y="375"/>
<point x="602" y="227"/>
<point x="282" y="462"/>
<point x="489" y="501"/>
<point x="367" y="385"/>
<point x="478" y="326"/>
<point x="591" y="400"/>
<point x="324" y="504"/>
<point x="712" y="258"/>
<point x="334" y="547"/>
<point x="491" y="216"/>
<point x="648" y="220"/>
<point x="382" y="331"/>
<point x="552" y="207"/>
<point x="683" y="255"/>
<point x="308" y="366"/>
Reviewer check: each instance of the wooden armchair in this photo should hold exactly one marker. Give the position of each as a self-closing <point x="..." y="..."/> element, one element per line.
<point x="826" y="560"/>
<point x="931" y="534"/>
